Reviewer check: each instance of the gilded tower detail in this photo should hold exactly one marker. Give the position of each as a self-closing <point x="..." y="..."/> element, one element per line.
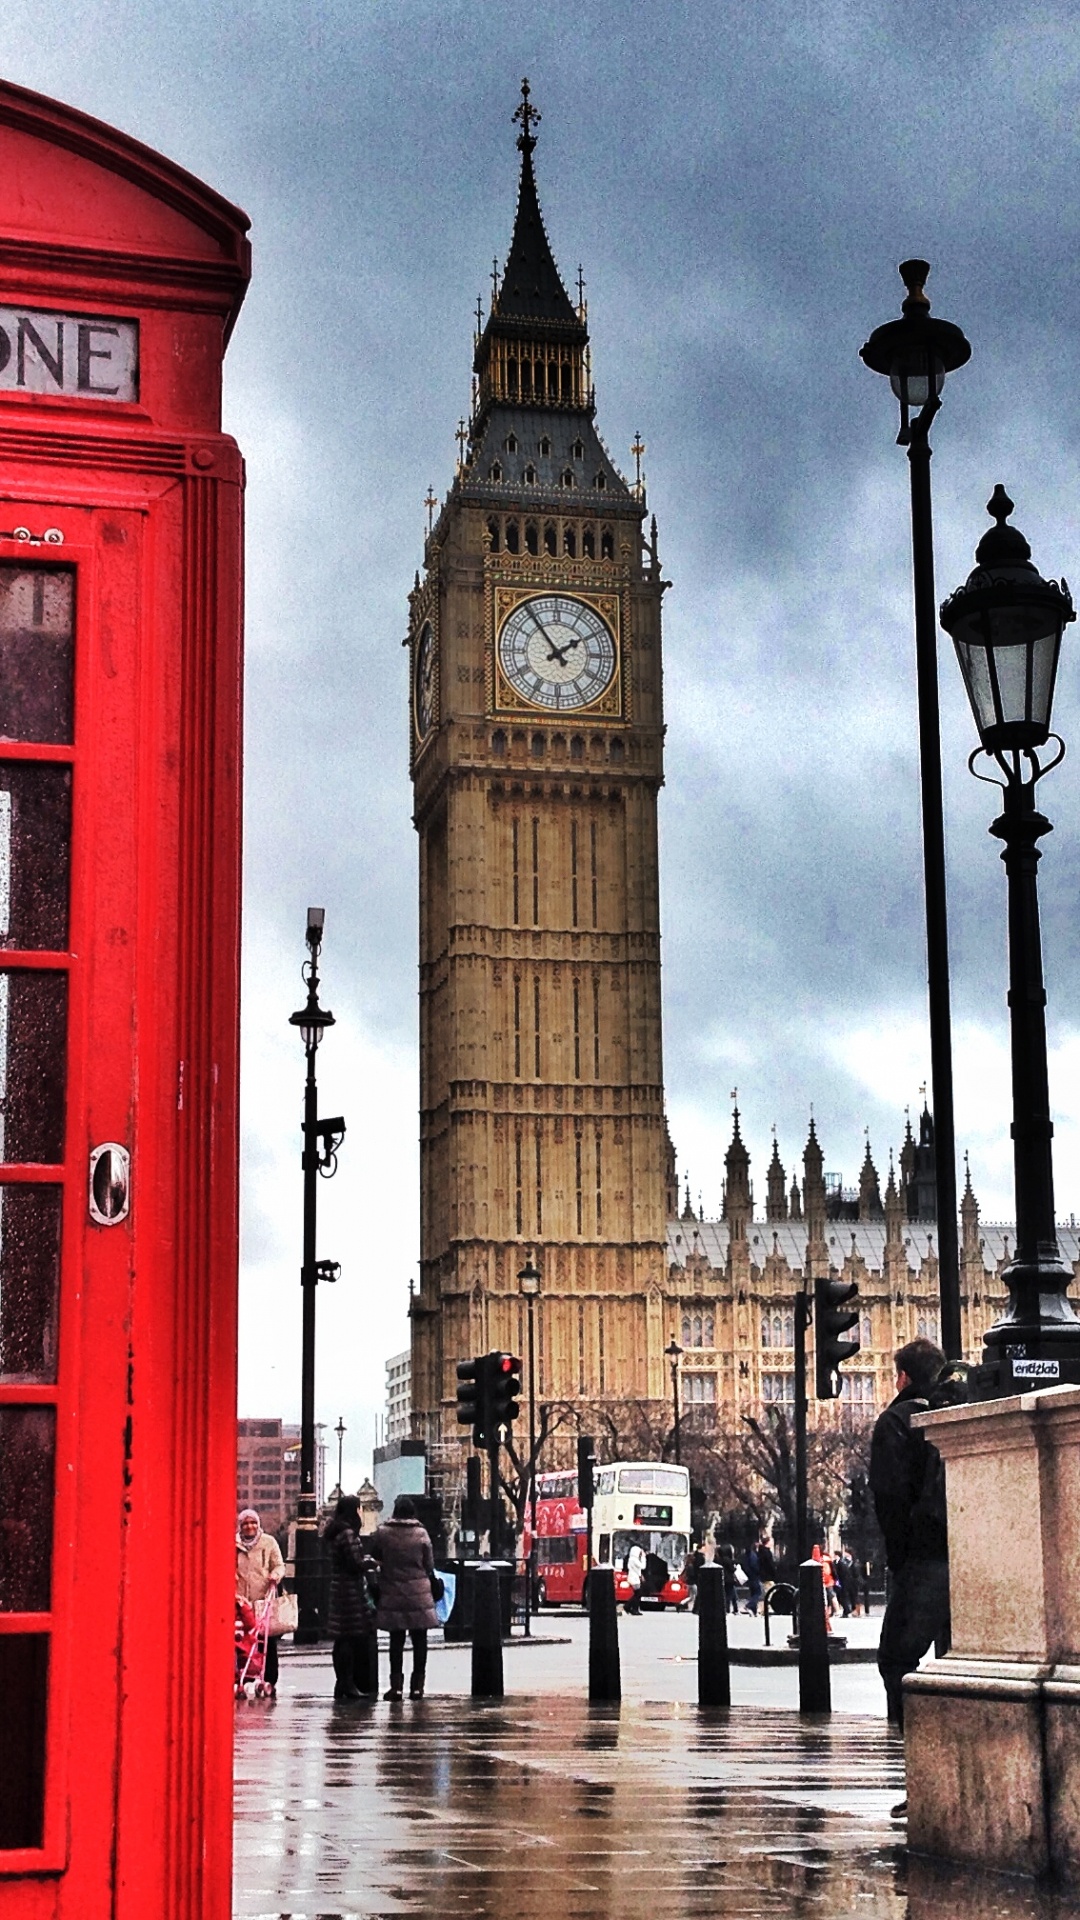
<point x="537" y="756"/>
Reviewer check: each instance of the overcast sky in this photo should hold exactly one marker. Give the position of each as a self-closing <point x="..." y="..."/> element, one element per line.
<point x="739" y="183"/>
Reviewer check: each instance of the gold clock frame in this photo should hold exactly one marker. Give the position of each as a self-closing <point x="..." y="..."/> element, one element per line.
<point x="425" y="614"/>
<point x="503" y="699"/>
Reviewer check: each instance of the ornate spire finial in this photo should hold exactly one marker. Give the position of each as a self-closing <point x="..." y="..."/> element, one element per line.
<point x="580" y="286"/>
<point x="430" y="503"/>
<point x="637" y="450"/>
<point x="462" y="438"/>
<point x="529" y="118"/>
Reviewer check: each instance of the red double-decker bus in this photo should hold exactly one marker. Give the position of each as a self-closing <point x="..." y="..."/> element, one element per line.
<point x="561" y="1541"/>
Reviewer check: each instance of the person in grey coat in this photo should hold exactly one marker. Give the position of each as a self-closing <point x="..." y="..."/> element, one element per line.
<point x="350" y="1613"/>
<point x="406" y="1603"/>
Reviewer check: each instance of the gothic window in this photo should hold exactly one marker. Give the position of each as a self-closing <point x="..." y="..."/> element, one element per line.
<point x="549" y="538"/>
<point x="617" y="748"/>
<point x="577" y="450"/>
<point x="601" y="481"/>
<point x="695" y="1338"/>
<point x="699" y="1389"/>
<point x="778" y="1389"/>
<point x="498" y="743"/>
<point x="515" y="870"/>
<point x="539" y="746"/>
<point x="686" y="1329"/>
<point x="789" y="1329"/>
<point x="567" y="393"/>
<point x="574" y="898"/>
<point x="536" y="871"/>
<point x="493" y="535"/>
<point x="710" y="1331"/>
<point x="857" y="1392"/>
<point x="496" y="471"/>
<point x="607" y="544"/>
<point x="510" y="443"/>
<point x="530" y="475"/>
<point x="531" y="539"/>
<point x="588" y="544"/>
<point x="926" y="1327"/>
<point x="526" y="379"/>
<point x="512" y="376"/>
<point x="866" y="1332"/>
<point x="569" y="542"/>
<point x="545" y="447"/>
<point x="512" y="542"/>
<point x="567" y="479"/>
<point x="577" y="747"/>
<point x="766" y="1330"/>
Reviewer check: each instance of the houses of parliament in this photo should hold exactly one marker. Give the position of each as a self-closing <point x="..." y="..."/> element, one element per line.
<point x="536" y="754"/>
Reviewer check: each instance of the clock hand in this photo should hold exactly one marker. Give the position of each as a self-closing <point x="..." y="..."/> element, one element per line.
<point x="560" y="653"/>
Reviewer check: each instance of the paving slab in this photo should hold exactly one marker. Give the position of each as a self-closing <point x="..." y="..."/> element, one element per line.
<point x="542" y="1805"/>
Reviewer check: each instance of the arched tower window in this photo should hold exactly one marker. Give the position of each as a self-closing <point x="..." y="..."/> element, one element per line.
<point x="569" y="541"/>
<point x="766" y="1330"/>
<point x="577" y="450"/>
<point x="549" y="538"/>
<point x="530" y="475"/>
<point x="495" y="471"/>
<point x="526" y="379"/>
<point x="588" y="543"/>
<point x="498" y="744"/>
<point x="567" y="378"/>
<point x="577" y="747"/>
<point x="710" y="1330"/>
<point x="532" y="543"/>
<point x="601" y="482"/>
<point x="686" y="1330"/>
<point x="545" y="448"/>
<point x="511" y="443"/>
<point x="607" y="543"/>
<point x="539" y="746"/>
<point x="493" y="535"/>
<point x="512" y="544"/>
<point x="567" y="478"/>
<point x="512" y="376"/>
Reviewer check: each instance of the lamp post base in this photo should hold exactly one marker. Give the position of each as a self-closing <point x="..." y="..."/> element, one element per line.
<point x="308" y="1631"/>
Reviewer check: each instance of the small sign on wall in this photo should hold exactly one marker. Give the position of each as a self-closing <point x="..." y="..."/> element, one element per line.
<point x="83" y="355"/>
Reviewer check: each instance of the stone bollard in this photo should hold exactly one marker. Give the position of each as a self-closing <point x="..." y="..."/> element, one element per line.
<point x="815" y="1693"/>
<point x="605" y="1679"/>
<point x="714" y="1670"/>
<point x="487" y="1646"/>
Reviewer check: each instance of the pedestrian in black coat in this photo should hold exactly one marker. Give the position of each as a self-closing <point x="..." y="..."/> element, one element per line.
<point x="907" y="1480"/>
<point x="350" y="1614"/>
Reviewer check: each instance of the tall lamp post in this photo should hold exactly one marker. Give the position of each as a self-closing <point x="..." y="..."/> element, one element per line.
<point x="1006" y="624"/>
<point x="529" y="1286"/>
<point x="322" y="1138"/>
<point x="341" y="1430"/>
<point x="674" y="1353"/>
<point x="916" y="352"/>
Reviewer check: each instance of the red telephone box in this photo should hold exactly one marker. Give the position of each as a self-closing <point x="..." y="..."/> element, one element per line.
<point x="120" y="688"/>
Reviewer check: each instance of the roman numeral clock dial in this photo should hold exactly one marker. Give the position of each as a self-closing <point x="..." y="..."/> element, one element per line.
<point x="557" y="652"/>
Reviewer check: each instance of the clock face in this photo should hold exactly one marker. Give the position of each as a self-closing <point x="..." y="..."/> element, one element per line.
<point x="424" y="689"/>
<point x="557" y="652"/>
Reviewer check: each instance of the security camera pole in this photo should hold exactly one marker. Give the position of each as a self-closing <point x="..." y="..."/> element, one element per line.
<point x="322" y="1138"/>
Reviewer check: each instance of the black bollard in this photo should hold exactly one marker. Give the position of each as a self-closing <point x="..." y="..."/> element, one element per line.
<point x="815" y="1694"/>
<point x="605" y="1679"/>
<point x="714" y="1670"/>
<point x="487" y="1646"/>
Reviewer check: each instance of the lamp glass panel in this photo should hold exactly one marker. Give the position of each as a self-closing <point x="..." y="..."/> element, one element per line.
<point x="913" y="375"/>
<point x="975" y="667"/>
<point x="1044" y="656"/>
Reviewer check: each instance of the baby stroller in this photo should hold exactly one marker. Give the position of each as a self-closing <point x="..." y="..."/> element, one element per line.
<point x="251" y="1632"/>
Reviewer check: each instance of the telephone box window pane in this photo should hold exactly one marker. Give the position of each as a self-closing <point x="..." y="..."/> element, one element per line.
<point x="24" y="1683"/>
<point x="37" y="608"/>
<point x="29" y="1283"/>
<point x="27" y="1445"/>
<point x="35" y="842"/>
<point x="33" y="1062"/>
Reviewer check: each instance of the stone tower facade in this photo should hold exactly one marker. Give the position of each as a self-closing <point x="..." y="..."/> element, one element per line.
<point x="536" y="751"/>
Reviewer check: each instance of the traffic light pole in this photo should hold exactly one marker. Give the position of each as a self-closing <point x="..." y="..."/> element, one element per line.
<point x="802" y="1321"/>
<point x="495" y="1527"/>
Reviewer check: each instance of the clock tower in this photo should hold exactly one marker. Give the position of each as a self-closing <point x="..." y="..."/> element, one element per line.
<point x="536" y="754"/>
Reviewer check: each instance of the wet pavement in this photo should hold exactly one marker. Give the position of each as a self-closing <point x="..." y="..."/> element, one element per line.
<point x="540" y="1805"/>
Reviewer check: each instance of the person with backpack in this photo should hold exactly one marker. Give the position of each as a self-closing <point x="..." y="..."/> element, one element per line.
<point x="907" y="1479"/>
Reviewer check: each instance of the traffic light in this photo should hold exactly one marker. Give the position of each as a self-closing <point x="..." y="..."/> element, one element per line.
<point x="472" y="1399"/>
<point x="586" y="1461"/>
<point x="504" y="1386"/>
<point x="833" y="1315"/>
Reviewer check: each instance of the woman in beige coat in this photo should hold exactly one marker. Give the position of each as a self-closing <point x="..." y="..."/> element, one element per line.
<point x="259" y="1569"/>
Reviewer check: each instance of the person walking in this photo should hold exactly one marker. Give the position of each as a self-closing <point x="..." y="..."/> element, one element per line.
<point x="407" y="1580"/>
<point x="350" y="1616"/>
<point x="635" y="1573"/>
<point x="260" y="1570"/>
<point x="751" y="1566"/>
<point x="726" y="1556"/>
<point x="907" y="1479"/>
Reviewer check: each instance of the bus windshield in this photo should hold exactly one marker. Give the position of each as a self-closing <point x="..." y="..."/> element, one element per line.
<point x="669" y="1480"/>
<point x="671" y="1547"/>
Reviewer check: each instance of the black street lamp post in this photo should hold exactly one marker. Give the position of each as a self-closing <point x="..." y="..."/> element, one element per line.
<point x="916" y="352"/>
<point x="322" y="1138"/>
<point x="1006" y="624"/>
<point x="529" y="1285"/>
<point x="341" y="1430"/>
<point x="674" y="1354"/>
